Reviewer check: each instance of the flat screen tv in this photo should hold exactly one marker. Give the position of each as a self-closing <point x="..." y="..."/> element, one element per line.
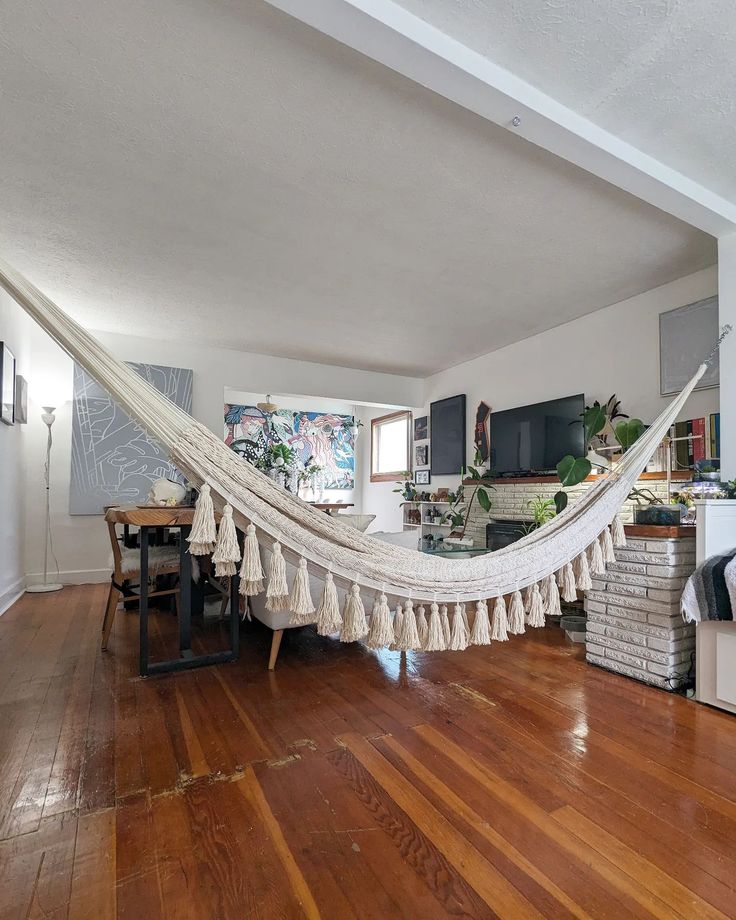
<point x="535" y="438"/>
<point x="447" y="435"/>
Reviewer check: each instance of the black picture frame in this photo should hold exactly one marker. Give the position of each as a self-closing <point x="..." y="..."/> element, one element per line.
<point x="421" y="454"/>
<point x="7" y="385"/>
<point x="420" y="428"/>
<point x="447" y="425"/>
<point x="421" y="477"/>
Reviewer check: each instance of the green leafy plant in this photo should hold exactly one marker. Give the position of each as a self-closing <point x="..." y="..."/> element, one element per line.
<point x="459" y="511"/>
<point x="629" y="432"/>
<point x="597" y="424"/>
<point x="542" y="509"/>
<point x="729" y="488"/>
<point x="406" y="488"/>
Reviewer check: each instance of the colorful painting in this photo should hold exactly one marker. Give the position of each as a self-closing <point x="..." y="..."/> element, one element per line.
<point x="326" y="438"/>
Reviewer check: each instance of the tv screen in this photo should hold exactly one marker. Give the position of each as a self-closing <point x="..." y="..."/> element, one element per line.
<point x="536" y="438"/>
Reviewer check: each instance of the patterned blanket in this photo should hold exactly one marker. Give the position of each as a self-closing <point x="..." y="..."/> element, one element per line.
<point x="710" y="592"/>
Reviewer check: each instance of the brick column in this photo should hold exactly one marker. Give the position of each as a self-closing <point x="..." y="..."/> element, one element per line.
<point x="634" y="623"/>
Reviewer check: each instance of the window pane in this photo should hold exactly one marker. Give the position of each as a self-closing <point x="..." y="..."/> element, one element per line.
<point x="392" y="437"/>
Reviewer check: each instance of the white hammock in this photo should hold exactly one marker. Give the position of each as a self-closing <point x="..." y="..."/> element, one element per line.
<point x="579" y="535"/>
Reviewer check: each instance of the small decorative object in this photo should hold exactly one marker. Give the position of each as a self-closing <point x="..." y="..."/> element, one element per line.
<point x="480" y="438"/>
<point x="167" y="492"/>
<point x="686" y="337"/>
<point x="421" y="477"/>
<point x="659" y="515"/>
<point x="7" y="385"/>
<point x="442" y="495"/>
<point x="447" y="428"/>
<point x="709" y="470"/>
<point x="420" y="428"/>
<point x="21" y="400"/>
<point x="421" y="454"/>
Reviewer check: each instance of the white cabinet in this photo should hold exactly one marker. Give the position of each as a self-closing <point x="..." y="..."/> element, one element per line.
<point x="715" y="527"/>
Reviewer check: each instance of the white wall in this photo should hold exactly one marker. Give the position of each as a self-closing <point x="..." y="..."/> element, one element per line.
<point x="14" y="332"/>
<point x="615" y="350"/>
<point x="80" y="542"/>
<point x="727" y="315"/>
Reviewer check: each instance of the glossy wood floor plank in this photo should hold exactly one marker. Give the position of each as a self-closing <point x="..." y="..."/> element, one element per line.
<point x="508" y="781"/>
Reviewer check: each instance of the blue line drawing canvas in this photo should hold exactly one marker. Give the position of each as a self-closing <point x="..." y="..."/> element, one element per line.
<point x="113" y="460"/>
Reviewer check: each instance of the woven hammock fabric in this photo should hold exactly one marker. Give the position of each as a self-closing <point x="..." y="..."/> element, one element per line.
<point x="325" y="543"/>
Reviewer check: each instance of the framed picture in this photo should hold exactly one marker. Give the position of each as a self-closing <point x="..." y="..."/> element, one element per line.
<point x="420" y="428"/>
<point x="421" y="477"/>
<point x="686" y="337"/>
<point x="7" y="385"/>
<point x="447" y="428"/>
<point x="421" y="455"/>
<point x="21" y="400"/>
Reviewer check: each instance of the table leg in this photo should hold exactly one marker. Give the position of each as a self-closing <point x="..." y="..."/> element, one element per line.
<point x="185" y="594"/>
<point x="143" y="604"/>
<point x="235" y="615"/>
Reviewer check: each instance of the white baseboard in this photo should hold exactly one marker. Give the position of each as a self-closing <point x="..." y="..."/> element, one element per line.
<point x="72" y="577"/>
<point x="11" y="594"/>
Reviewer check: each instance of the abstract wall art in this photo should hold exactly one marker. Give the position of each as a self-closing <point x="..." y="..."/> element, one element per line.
<point x="328" y="439"/>
<point x="113" y="459"/>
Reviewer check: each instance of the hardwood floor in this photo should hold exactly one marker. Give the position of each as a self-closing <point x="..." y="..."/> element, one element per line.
<point x="514" y="782"/>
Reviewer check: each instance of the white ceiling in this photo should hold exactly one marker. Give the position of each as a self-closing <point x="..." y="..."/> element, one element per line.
<point x="660" y="74"/>
<point x="216" y="170"/>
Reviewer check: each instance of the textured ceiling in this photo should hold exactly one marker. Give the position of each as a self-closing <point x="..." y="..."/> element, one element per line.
<point x="660" y="74"/>
<point x="193" y="168"/>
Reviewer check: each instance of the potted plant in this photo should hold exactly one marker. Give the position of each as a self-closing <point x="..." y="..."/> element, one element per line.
<point x="458" y="514"/>
<point x="542" y="510"/>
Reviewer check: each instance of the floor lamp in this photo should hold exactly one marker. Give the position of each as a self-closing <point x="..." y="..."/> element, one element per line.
<point x="48" y="419"/>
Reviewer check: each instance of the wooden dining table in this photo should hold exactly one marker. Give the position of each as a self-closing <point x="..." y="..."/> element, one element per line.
<point x="155" y="517"/>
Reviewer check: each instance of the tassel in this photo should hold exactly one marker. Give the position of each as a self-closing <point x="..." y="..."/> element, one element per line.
<point x="582" y="572"/>
<point x="422" y="627"/>
<point x="435" y="641"/>
<point x="277" y="591"/>
<point x="607" y="546"/>
<point x="445" y="625"/>
<point x="381" y="633"/>
<point x="398" y="626"/>
<point x="569" y="594"/>
<point x="536" y="608"/>
<point x="618" y="532"/>
<point x="544" y="591"/>
<point x="300" y="603"/>
<point x="528" y="599"/>
<point x="499" y="632"/>
<point x="464" y="614"/>
<point x="328" y="612"/>
<point x="560" y="576"/>
<point x="227" y="550"/>
<point x="354" y="623"/>
<point x="251" y="570"/>
<point x="481" y="631"/>
<point x="516" y="615"/>
<point x="459" y="636"/>
<point x="552" y="608"/>
<point x="203" y="534"/>
<point x="408" y="639"/>
<point x="597" y="565"/>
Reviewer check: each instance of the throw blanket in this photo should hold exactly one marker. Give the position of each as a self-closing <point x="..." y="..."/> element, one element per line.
<point x="710" y="592"/>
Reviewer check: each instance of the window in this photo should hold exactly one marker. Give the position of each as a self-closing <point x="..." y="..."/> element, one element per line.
<point x="390" y="445"/>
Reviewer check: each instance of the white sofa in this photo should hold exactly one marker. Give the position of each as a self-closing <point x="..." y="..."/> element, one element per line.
<point x="279" y="621"/>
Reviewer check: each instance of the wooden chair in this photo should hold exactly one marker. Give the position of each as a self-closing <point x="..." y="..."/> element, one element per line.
<point x="162" y="560"/>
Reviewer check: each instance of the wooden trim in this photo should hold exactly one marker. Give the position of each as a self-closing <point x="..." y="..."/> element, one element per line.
<point x="656" y="530"/>
<point x="658" y="477"/>
<point x="395" y="474"/>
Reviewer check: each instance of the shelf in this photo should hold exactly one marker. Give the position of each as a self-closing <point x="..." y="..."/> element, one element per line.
<point x="427" y="503"/>
<point x="432" y="524"/>
<point x="678" y="476"/>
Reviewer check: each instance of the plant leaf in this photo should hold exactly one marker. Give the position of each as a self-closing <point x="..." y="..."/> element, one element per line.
<point x="573" y="470"/>
<point x="628" y="432"/>
<point x="560" y="501"/>
<point x="484" y="500"/>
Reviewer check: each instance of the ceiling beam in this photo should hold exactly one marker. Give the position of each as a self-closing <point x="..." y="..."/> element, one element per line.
<point x="389" y="34"/>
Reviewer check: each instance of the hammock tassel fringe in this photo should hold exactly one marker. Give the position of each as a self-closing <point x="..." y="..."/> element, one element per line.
<point x="516" y="615"/>
<point x="302" y="608"/>
<point x="203" y="534"/>
<point x="480" y="634"/>
<point x="277" y="590"/>
<point x="329" y="620"/>
<point x="354" y="623"/>
<point x="251" y="570"/>
<point x="381" y="633"/>
<point x="435" y="641"/>
<point x="227" y="549"/>
<point x="499" y="630"/>
<point x="459" y="635"/>
<point x="408" y="639"/>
